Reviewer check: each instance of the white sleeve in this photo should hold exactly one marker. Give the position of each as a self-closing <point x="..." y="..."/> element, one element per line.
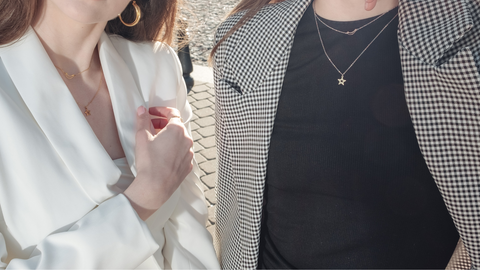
<point x="111" y="236"/>
<point x="188" y="244"/>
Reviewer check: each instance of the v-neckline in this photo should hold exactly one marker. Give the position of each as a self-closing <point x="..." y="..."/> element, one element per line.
<point x="63" y="123"/>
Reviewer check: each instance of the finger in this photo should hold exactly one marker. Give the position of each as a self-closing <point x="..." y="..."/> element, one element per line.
<point x="165" y="112"/>
<point x="370" y="4"/>
<point x="143" y="120"/>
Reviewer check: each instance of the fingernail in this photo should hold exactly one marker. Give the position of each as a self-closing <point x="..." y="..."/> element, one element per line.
<point x="141" y="110"/>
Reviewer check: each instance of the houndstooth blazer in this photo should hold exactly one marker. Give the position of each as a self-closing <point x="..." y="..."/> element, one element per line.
<point x="440" y="53"/>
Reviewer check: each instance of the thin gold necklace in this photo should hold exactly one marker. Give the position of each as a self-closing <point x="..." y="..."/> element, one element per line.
<point x="87" y="111"/>
<point x="71" y="76"/>
<point x="350" y="33"/>
<point x="342" y="81"/>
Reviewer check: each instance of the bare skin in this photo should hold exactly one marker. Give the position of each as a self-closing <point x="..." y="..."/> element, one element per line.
<point x="71" y="41"/>
<point x="370" y="4"/>
<point x="69" y="32"/>
<point x="351" y="10"/>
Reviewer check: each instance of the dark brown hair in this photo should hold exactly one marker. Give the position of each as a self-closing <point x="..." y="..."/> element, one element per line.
<point x="157" y="22"/>
<point x="252" y="7"/>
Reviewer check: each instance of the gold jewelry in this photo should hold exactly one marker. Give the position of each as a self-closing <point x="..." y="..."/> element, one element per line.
<point x="137" y="18"/>
<point x="71" y="76"/>
<point x="350" y="33"/>
<point x="87" y="111"/>
<point x="179" y="117"/>
<point x="174" y="116"/>
<point x="342" y="81"/>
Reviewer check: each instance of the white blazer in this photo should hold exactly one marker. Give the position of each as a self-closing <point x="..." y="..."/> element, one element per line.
<point x="59" y="207"/>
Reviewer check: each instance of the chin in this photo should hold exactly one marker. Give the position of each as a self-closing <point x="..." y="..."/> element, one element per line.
<point x="90" y="11"/>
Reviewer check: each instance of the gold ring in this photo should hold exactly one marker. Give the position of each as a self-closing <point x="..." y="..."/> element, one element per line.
<point x="177" y="116"/>
<point x="173" y="116"/>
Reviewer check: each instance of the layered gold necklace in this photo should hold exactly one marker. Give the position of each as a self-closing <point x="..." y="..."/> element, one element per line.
<point x="71" y="76"/>
<point x="342" y="81"/>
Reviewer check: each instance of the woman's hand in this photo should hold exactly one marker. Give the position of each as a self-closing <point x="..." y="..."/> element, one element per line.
<point x="370" y="4"/>
<point x="163" y="159"/>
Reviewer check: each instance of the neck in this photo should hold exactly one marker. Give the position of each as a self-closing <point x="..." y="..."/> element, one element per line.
<point x="350" y="10"/>
<point x="69" y="44"/>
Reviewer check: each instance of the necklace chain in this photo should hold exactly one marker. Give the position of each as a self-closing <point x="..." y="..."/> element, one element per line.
<point x="71" y="76"/>
<point x="342" y="81"/>
<point x="87" y="111"/>
<point x="350" y="33"/>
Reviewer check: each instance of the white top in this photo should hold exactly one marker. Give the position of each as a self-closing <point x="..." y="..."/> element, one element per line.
<point x="60" y="201"/>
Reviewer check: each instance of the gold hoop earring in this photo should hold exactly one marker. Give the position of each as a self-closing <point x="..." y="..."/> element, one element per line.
<point x="137" y="18"/>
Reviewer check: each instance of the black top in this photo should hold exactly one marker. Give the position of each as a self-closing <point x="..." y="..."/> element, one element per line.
<point x="346" y="185"/>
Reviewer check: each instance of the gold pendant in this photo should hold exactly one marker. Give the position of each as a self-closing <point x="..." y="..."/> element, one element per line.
<point x="87" y="111"/>
<point x="341" y="81"/>
<point x="351" y="33"/>
<point x="68" y="76"/>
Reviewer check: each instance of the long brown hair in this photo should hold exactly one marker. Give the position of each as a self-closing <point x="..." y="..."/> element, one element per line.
<point x="157" y="22"/>
<point x="252" y="7"/>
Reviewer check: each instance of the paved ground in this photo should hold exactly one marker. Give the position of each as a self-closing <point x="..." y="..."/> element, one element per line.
<point x="201" y="99"/>
<point x="203" y="18"/>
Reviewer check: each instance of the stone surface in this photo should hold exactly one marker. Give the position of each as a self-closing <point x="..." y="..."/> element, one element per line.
<point x="198" y="88"/>
<point x="203" y="131"/>
<point x="210" y="153"/>
<point x="194" y="126"/>
<point x="197" y="147"/>
<point x="211" y="214"/>
<point x="199" y="158"/>
<point x="209" y="166"/>
<point x="201" y="95"/>
<point x="190" y="99"/>
<point x="209" y="180"/>
<point x="196" y="136"/>
<point x="207" y="142"/>
<point x="205" y="112"/>
<point x="207" y="131"/>
<point x="203" y="17"/>
<point x="202" y="103"/>
<point x="205" y="122"/>
<point x="210" y="196"/>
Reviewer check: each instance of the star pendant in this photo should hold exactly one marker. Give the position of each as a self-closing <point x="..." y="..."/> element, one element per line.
<point x="341" y="81"/>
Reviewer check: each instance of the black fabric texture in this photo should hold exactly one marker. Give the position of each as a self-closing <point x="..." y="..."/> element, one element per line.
<point x="347" y="186"/>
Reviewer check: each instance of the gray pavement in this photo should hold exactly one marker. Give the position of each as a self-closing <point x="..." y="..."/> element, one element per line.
<point x="203" y="17"/>
<point x="202" y="100"/>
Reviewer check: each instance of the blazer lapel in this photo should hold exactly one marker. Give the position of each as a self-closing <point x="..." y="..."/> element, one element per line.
<point x="57" y="114"/>
<point x="430" y="36"/>
<point x="124" y="94"/>
<point x="247" y="96"/>
<point x="441" y="89"/>
<point x="255" y="56"/>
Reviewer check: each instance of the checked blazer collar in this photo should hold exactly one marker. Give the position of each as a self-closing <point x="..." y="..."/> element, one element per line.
<point x="439" y="32"/>
<point x="260" y="53"/>
<point x="249" y="70"/>
<point x="430" y="37"/>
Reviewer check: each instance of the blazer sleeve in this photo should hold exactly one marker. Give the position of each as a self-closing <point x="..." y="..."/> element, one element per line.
<point x="110" y="236"/>
<point x="188" y="244"/>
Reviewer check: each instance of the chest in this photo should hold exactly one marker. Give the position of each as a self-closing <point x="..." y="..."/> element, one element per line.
<point x="95" y="104"/>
